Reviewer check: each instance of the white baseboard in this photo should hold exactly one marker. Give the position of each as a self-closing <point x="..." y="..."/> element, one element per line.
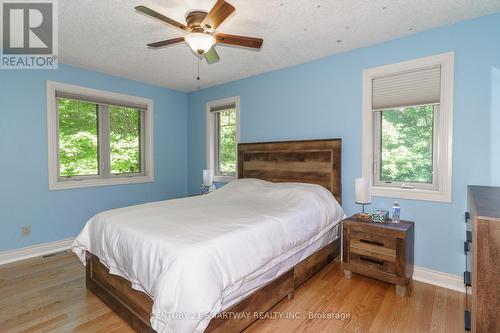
<point x="445" y="280"/>
<point x="35" y="251"/>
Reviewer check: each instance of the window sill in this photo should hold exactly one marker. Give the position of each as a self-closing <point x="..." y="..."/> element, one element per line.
<point x="412" y="194"/>
<point x="223" y="179"/>
<point x="65" y="185"/>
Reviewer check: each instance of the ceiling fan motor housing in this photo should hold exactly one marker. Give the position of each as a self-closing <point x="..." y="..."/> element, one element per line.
<point x="194" y="19"/>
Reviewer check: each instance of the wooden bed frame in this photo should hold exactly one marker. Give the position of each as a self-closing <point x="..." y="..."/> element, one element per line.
<point x="309" y="161"/>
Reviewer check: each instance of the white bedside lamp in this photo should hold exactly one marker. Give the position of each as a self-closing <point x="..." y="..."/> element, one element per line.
<point x="363" y="195"/>
<point x="208" y="183"/>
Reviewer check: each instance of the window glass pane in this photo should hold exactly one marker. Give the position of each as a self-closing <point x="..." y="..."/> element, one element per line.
<point x="124" y="137"/>
<point x="226" y="124"/>
<point x="78" y="153"/>
<point x="407" y="144"/>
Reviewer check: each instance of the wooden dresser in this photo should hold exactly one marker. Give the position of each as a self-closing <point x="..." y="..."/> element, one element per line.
<point x="482" y="248"/>
<point x="383" y="251"/>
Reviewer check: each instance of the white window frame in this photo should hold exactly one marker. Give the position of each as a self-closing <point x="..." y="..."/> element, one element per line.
<point x="442" y="190"/>
<point x="211" y="136"/>
<point x="59" y="183"/>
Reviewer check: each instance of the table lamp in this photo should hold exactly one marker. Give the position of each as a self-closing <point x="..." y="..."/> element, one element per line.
<point x="208" y="184"/>
<point x="363" y="195"/>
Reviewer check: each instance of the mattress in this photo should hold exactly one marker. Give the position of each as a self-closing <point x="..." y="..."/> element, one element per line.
<point x="196" y="256"/>
<point x="284" y="266"/>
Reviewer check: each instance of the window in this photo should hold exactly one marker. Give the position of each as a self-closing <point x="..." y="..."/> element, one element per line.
<point x="97" y="138"/>
<point x="222" y="138"/>
<point x="407" y="128"/>
<point x="404" y="148"/>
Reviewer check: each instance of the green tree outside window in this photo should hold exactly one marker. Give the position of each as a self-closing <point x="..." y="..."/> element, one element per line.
<point x="79" y="138"/>
<point x="226" y="121"/>
<point x="407" y="145"/>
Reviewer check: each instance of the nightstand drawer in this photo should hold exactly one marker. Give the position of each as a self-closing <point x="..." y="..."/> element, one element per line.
<point x="372" y="250"/>
<point x="372" y="263"/>
<point x="371" y="240"/>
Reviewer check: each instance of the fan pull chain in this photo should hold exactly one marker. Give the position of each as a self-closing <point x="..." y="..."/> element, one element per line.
<point x="199" y="61"/>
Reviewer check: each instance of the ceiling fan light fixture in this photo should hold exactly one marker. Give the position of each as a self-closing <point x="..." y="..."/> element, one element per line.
<point x="200" y="42"/>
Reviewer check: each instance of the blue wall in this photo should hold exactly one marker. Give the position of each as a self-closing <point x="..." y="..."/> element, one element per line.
<point x="55" y="215"/>
<point x="495" y="126"/>
<point x="322" y="99"/>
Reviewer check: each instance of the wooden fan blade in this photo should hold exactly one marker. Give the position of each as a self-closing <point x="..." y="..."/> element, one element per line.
<point x="218" y="14"/>
<point x="154" y="14"/>
<point x="167" y="42"/>
<point x="211" y="56"/>
<point x="252" y="42"/>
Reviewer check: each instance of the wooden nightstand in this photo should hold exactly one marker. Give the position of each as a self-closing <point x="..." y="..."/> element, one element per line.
<point x="383" y="251"/>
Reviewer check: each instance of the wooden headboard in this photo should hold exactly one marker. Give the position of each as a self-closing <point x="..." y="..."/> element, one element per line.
<point x="306" y="161"/>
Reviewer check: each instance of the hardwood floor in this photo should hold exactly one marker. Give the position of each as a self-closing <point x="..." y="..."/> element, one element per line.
<point x="49" y="295"/>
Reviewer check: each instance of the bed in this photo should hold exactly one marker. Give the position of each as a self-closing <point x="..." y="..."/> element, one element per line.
<point x="241" y="249"/>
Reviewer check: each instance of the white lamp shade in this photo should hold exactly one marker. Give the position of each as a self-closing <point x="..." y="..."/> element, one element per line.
<point x="200" y="42"/>
<point x="363" y="195"/>
<point x="207" y="178"/>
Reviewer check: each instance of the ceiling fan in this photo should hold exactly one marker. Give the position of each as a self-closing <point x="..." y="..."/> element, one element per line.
<point x="200" y="27"/>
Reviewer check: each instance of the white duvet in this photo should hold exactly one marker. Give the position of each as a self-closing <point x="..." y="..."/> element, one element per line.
<point x="188" y="254"/>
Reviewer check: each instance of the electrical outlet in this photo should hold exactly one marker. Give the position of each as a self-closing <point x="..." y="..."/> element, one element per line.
<point x="26" y="231"/>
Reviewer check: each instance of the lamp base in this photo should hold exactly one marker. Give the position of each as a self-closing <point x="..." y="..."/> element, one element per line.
<point x="207" y="189"/>
<point x="363" y="214"/>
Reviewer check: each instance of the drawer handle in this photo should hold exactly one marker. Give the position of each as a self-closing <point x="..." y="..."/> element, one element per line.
<point x="467" y="217"/>
<point x="371" y="242"/>
<point x="467" y="278"/>
<point x="378" y="262"/>
<point x="466" y="247"/>
<point x="467" y="320"/>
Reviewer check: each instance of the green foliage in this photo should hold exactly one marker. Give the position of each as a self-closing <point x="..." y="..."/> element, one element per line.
<point x="78" y="139"/>
<point x="407" y="137"/>
<point x="227" y="142"/>
<point x="125" y="127"/>
<point x="78" y="152"/>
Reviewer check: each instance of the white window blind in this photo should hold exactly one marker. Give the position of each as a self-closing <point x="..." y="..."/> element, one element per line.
<point x="223" y="107"/>
<point x="417" y="87"/>
<point x="101" y="100"/>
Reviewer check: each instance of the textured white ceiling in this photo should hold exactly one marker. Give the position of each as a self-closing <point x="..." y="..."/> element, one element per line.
<point x="110" y="37"/>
